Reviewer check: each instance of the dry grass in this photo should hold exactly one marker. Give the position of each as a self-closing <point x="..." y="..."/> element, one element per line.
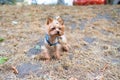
<point x="92" y="47"/>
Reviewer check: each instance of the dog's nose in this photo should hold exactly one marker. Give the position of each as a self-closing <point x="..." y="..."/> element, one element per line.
<point x="58" y="32"/>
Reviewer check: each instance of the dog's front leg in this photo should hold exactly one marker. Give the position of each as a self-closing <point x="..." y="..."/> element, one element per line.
<point x="57" y="52"/>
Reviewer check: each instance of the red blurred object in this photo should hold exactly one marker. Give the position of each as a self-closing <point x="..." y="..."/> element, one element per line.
<point x="87" y="2"/>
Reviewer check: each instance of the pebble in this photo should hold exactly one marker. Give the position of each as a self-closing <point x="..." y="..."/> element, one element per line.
<point x="14" y="22"/>
<point x="72" y="78"/>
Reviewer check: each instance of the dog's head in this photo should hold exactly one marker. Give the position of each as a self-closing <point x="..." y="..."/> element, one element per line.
<point x="55" y="27"/>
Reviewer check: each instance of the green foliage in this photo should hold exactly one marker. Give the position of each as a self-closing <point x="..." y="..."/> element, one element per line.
<point x="1" y="39"/>
<point x="3" y="60"/>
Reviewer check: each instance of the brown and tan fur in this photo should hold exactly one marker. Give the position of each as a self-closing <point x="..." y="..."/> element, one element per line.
<point x="55" y="30"/>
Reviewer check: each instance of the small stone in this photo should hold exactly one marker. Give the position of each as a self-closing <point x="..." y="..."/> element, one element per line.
<point x="2" y="44"/>
<point x="71" y="56"/>
<point x="105" y="47"/>
<point x="118" y="49"/>
<point x="14" y="22"/>
<point x="72" y="78"/>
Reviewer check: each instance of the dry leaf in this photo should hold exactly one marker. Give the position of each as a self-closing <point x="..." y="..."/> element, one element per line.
<point x="15" y="70"/>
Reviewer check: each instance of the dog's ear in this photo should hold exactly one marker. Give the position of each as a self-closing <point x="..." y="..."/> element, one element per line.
<point x="49" y="20"/>
<point x="60" y="20"/>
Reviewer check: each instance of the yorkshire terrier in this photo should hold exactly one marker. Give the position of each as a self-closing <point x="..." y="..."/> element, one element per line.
<point x="55" y="41"/>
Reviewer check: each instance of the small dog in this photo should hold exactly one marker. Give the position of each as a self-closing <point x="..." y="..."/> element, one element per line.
<point x="55" y="41"/>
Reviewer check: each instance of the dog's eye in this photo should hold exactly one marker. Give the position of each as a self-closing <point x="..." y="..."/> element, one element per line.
<point x="59" y="28"/>
<point x="53" y="28"/>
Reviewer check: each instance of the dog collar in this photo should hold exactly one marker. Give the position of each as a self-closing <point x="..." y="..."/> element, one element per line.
<point x="51" y="44"/>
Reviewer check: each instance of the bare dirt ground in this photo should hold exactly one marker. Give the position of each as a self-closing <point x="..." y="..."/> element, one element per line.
<point x="92" y="31"/>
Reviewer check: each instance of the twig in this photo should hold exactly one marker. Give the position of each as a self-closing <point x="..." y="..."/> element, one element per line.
<point x="104" y="68"/>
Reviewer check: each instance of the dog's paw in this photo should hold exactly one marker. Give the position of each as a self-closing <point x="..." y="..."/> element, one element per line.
<point x="66" y="48"/>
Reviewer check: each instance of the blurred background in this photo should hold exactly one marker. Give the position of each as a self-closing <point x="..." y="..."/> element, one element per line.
<point x="59" y="2"/>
